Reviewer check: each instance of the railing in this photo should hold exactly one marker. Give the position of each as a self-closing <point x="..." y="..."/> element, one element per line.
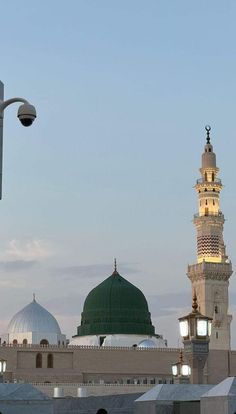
<point x="208" y="266"/>
<point x="203" y="181"/>
<point x="209" y="214"/>
<point x="87" y="384"/>
<point x="84" y="347"/>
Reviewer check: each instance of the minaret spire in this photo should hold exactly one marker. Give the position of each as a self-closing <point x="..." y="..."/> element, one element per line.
<point x="210" y="276"/>
<point x="208" y="128"/>
<point x="115" y="268"/>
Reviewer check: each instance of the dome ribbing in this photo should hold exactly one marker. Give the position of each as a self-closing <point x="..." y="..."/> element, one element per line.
<point x="33" y="318"/>
<point x="115" y="306"/>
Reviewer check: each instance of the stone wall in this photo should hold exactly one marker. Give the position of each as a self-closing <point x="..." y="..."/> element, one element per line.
<point x="108" y="365"/>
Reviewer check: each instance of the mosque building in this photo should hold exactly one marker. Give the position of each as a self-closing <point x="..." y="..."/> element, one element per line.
<point x="34" y="325"/>
<point x="116" y="342"/>
<point x="116" y="313"/>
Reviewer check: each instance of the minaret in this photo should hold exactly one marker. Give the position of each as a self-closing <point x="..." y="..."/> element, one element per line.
<point x="210" y="276"/>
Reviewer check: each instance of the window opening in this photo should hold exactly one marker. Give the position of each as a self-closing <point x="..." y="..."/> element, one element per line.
<point x="50" y="361"/>
<point x="101" y="340"/>
<point x="44" y="342"/>
<point x="39" y="361"/>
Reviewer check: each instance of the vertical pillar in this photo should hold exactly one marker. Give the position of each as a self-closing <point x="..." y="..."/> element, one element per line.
<point x="196" y="352"/>
<point x="1" y="137"/>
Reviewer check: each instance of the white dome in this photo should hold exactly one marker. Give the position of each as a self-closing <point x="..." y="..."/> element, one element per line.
<point x="33" y="318"/>
<point x="147" y="343"/>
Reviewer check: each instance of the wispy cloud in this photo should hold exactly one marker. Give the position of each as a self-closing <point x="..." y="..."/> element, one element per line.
<point x="17" y="265"/>
<point x="100" y="271"/>
<point x="27" y="251"/>
<point x="169" y="303"/>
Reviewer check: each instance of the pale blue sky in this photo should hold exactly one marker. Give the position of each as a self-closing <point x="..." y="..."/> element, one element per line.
<point x="123" y="91"/>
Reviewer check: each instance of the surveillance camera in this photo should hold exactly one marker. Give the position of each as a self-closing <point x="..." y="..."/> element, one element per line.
<point x="26" y="114"/>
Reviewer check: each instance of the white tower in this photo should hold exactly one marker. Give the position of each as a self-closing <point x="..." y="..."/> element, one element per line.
<point x="210" y="276"/>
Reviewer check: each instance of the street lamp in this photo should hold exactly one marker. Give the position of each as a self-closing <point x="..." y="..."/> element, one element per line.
<point x="181" y="371"/>
<point x="195" y="330"/>
<point x="26" y="114"/>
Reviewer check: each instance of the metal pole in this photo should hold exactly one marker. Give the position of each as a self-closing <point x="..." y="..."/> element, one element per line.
<point x="1" y="137"/>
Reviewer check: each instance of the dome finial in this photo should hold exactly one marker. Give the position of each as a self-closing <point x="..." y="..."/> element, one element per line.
<point x="34" y="297"/>
<point x="115" y="268"/>
<point x="208" y="128"/>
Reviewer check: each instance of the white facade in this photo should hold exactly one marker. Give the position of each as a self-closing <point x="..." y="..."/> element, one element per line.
<point x="120" y="340"/>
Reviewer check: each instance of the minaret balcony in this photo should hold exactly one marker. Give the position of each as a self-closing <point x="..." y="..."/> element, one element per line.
<point x="207" y="270"/>
<point x="214" y="217"/>
<point x="203" y="181"/>
<point x="213" y="213"/>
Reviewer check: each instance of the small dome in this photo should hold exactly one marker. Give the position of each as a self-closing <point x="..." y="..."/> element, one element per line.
<point x="115" y="306"/>
<point x="33" y="318"/>
<point x="147" y="343"/>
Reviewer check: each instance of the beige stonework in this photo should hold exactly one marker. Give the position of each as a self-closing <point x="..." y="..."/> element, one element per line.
<point x="95" y="365"/>
<point x="210" y="275"/>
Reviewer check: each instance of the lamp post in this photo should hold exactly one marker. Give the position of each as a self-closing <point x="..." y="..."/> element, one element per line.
<point x="3" y="365"/>
<point x="195" y="330"/>
<point x="181" y="371"/>
<point x="26" y="114"/>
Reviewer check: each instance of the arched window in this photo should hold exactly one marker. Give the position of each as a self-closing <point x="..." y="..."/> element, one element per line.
<point x="39" y="361"/>
<point x="14" y="342"/>
<point x="213" y="176"/>
<point x="50" y="361"/>
<point x="25" y="342"/>
<point x="101" y="411"/>
<point x="59" y="343"/>
<point x="44" y="342"/>
<point x="205" y="176"/>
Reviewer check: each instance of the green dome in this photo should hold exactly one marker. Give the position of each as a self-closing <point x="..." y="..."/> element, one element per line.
<point x="115" y="306"/>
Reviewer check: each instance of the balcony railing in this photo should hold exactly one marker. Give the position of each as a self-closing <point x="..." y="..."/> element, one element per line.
<point x="203" y="181"/>
<point x="209" y="214"/>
